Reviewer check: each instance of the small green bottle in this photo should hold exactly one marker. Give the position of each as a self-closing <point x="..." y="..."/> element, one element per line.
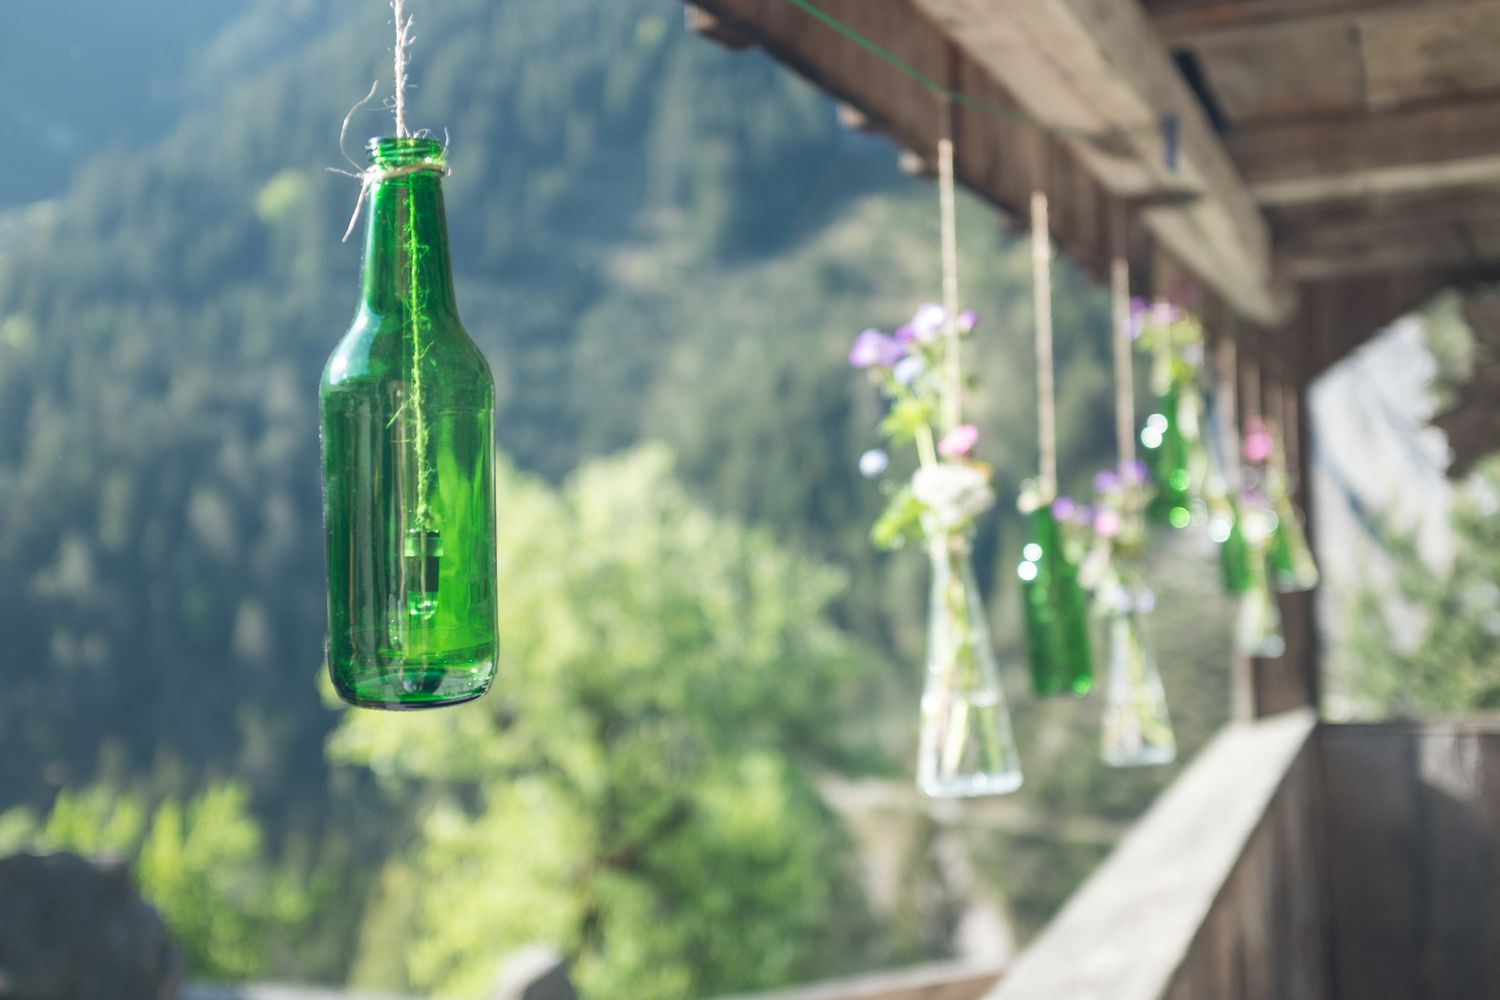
<point x="1056" y="611"/>
<point x="407" y="405"/>
<point x="1169" y="456"/>
<point x="1292" y="564"/>
<point x="1234" y="552"/>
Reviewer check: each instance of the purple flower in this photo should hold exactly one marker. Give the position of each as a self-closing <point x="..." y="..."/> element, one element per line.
<point x="959" y="442"/>
<point x="908" y="370"/>
<point x="905" y="335"/>
<point x="927" y="322"/>
<point x="1165" y="313"/>
<point x="1107" y="481"/>
<point x="1137" y="473"/>
<point x="1064" y="509"/>
<point x="1135" y="323"/>
<point x="874" y="349"/>
<point x="1084" y="515"/>
<point x="967" y="321"/>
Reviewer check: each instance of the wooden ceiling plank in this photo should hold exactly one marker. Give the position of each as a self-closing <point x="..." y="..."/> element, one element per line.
<point x="1369" y="155"/>
<point x="1190" y="22"/>
<point x="1097" y="66"/>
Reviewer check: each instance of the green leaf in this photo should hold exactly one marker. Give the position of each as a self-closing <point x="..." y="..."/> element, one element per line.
<point x="899" y="523"/>
<point x="907" y="417"/>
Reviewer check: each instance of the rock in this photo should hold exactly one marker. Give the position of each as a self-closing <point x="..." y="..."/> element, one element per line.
<point x="75" y="929"/>
<point x="535" y="973"/>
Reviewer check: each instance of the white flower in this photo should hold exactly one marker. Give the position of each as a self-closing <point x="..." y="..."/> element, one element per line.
<point x="873" y="462"/>
<point x="908" y="369"/>
<point x="953" y="493"/>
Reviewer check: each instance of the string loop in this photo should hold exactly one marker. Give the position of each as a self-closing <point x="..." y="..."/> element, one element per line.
<point x="1046" y="402"/>
<point x="953" y="397"/>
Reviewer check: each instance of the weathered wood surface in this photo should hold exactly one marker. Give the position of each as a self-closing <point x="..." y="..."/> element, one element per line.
<point x="939" y="981"/>
<point x="1449" y="145"/>
<point x="1413" y="814"/>
<point x="1063" y="61"/>
<point x="1214" y="894"/>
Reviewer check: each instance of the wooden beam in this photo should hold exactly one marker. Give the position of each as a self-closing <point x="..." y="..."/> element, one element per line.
<point x="1188" y="22"/>
<point x="1459" y="233"/>
<point x="1371" y="155"/>
<point x="728" y="33"/>
<point x="1097" y="67"/>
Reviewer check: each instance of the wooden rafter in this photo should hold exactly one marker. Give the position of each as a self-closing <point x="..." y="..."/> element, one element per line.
<point x="1098" y="67"/>
<point x="1449" y="144"/>
<point x="1187" y="22"/>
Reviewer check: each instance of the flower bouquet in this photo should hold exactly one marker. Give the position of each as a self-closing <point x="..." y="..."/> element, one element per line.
<point x="966" y="746"/>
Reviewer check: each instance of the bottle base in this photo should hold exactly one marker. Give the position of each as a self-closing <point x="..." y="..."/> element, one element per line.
<point x="408" y="686"/>
<point x="970" y="785"/>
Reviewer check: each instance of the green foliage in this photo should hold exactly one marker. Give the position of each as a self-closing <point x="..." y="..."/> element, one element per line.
<point x="202" y="863"/>
<point x="1451" y="662"/>
<point x="636" y="789"/>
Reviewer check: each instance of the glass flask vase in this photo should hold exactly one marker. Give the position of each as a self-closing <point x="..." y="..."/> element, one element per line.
<point x="1137" y="730"/>
<point x="1056" y="611"/>
<point x="1258" y="627"/>
<point x="966" y="747"/>
<point x="1293" y="567"/>
<point x="407" y="406"/>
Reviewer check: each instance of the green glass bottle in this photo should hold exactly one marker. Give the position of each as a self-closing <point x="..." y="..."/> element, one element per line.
<point x="1292" y="562"/>
<point x="1234" y="552"/>
<point x="1169" y="455"/>
<point x="407" y="404"/>
<point x="1056" y="611"/>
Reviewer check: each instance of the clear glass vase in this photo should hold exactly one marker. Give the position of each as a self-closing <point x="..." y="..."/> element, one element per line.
<point x="1258" y="629"/>
<point x="1137" y="729"/>
<point x="966" y="746"/>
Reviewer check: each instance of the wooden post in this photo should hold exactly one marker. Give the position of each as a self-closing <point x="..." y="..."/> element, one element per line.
<point x="1289" y="681"/>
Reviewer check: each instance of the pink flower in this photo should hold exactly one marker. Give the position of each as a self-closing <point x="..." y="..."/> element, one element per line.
<point x="1106" y="523"/>
<point x="1258" y="444"/>
<point x="959" y="442"/>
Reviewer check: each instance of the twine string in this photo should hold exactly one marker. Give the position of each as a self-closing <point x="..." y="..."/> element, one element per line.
<point x="953" y="396"/>
<point x="1227" y="406"/>
<point x="1119" y="294"/>
<point x="1046" y="403"/>
<point x="1250" y="404"/>
<point x="402" y="60"/>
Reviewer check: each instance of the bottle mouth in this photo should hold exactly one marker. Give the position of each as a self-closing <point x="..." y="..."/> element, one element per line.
<point x="406" y="151"/>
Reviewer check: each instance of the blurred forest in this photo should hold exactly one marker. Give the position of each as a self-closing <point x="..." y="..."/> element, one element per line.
<point x="664" y="250"/>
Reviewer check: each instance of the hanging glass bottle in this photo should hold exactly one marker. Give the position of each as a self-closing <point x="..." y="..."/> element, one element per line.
<point x="1292" y="563"/>
<point x="1234" y="554"/>
<point x="407" y="407"/>
<point x="1223" y="512"/>
<point x="1137" y="731"/>
<point x="1166" y="452"/>
<point x="1258" y="630"/>
<point x="966" y="746"/>
<point x="1055" y="608"/>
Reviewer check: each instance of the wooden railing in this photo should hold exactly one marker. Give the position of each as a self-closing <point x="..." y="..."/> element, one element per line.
<point x="1413" y="833"/>
<point x="1214" y="894"/>
<point x="937" y="981"/>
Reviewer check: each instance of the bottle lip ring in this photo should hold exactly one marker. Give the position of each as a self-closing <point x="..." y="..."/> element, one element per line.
<point x="407" y="151"/>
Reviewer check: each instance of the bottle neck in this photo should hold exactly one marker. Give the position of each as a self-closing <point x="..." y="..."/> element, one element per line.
<point x="406" y="265"/>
